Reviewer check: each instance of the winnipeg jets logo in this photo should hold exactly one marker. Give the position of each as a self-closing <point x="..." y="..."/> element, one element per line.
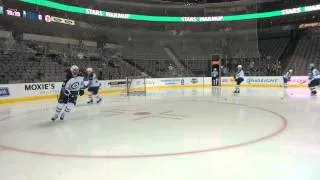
<point x="75" y="85"/>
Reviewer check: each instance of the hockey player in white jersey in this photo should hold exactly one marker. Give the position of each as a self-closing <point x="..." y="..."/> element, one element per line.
<point x="314" y="79"/>
<point x="93" y="87"/>
<point x="215" y="77"/>
<point x="239" y="78"/>
<point x="287" y="78"/>
<point x="71" y="88"/>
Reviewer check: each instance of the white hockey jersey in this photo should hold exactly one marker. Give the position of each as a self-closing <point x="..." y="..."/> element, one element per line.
<point x="74" y="84"/>
<point x="215" y="74"/>
<point x="239" y="74"/>
<point x="93" y="81"/>
<point x="314" y="74"/>
<point x="287" y="75"/>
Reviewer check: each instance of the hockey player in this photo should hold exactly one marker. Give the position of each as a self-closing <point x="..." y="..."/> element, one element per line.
<point x="93" y="87"/>
<point x="314" y="79"/>
<point x="239" y="78"/>
<point x="287" y="77"/>
<point x="71" y="88"/>
<point x="215" y="77"/>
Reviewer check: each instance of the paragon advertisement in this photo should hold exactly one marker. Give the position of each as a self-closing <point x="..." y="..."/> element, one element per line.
<point x="267" y="81"/>
<point x="271" y="81"/>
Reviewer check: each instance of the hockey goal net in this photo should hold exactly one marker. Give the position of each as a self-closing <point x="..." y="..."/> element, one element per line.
<point x="136" y="86"/>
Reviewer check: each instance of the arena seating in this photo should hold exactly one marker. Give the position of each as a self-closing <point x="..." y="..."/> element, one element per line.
<point x="34" y="61"/>
<point x="306" y="52"/>
<point x="31" y="61"/>
<point x="273" y="48"/>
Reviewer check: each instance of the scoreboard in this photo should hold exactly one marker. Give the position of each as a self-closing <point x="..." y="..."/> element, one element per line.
<point x="35" y="16"/>
<point x="13" y="12"/>
<point x="32" y="15"/>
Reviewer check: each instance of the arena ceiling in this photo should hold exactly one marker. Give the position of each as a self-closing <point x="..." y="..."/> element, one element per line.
<point x="165" y="3"/>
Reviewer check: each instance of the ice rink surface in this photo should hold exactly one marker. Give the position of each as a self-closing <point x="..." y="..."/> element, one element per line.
<point x="180" y="134"/>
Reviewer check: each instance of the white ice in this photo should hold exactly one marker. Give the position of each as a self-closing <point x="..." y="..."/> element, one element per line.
<point x="181" y="134"/>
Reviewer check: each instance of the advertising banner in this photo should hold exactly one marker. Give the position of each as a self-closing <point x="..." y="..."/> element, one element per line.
<point x="49" y="18"/>
<point x="309" y="25"/>
<point x="13" y="12"/>
<point x="113" y="85"/>
<point x="28" y="91"/>
<point x="4" y="92"/>
<point x="31" y="91"/>
<point x="255" y="81"/>
<point x="267" y="81"/>
<point x="40" y="89"/>
<point x="298" y="81"/>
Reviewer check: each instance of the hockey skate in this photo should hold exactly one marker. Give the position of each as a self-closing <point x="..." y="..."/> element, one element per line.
<point x="313" y="93"/>
<point x="90" y="102"/>
<point x="54" y="118"/>
<point x="62" y="117"/>
<point x="237" y="91"/>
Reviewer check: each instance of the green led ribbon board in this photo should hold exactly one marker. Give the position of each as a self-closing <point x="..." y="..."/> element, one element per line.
<point x="139" y="17"/>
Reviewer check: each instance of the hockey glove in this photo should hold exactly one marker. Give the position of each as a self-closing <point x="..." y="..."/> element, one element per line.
<point x="66" y="92"/>
<point x="81" y="92"/>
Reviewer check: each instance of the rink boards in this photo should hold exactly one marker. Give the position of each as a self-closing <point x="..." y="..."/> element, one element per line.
<point x="45" y="90"/>
<point x="266" y="81"/>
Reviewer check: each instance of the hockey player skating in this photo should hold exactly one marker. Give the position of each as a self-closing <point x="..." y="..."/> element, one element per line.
<point x="71" y="88"/>
<point x="314" y="79"/>
<point x="239" y="78"/>
<point x="287" y="78"/>
<point x="93" y="87"/>
<point x="215" y="77"/>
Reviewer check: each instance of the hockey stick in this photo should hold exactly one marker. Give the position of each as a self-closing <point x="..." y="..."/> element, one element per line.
<point x="303" y="82"/>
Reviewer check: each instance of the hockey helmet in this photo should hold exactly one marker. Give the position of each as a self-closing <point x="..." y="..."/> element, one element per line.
<point x="74" y="70"/>
<point x="89" y="70"/>
<point x="311" y="65"/>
